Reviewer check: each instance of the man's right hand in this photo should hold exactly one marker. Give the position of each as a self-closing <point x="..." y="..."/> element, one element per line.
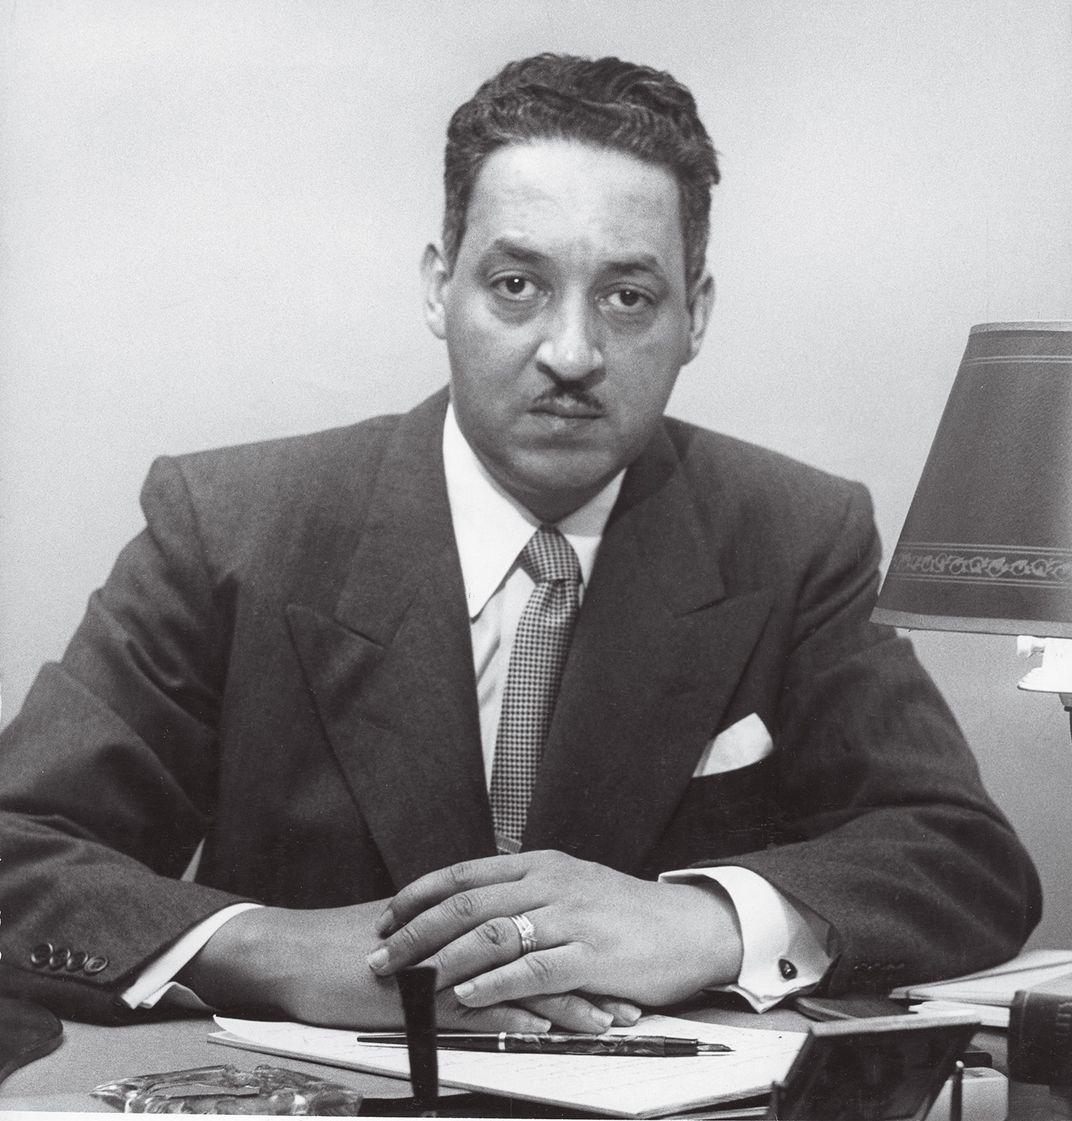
<point x="310" y="966"/>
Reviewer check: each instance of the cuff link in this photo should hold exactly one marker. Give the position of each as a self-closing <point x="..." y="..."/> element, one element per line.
<point x="787" y="969"/>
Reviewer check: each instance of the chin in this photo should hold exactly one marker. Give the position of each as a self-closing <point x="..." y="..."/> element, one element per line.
<point x="553" y="496"/>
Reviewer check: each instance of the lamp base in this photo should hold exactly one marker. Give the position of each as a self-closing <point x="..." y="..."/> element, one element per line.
<point x="1055" y="673"/>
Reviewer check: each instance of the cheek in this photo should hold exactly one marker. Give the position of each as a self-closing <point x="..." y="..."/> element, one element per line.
<point x="482" y="348"/>
<point x="643" y="376"/>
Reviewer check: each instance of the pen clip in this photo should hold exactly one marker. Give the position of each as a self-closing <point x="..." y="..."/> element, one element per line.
<point x="417" y="986"/>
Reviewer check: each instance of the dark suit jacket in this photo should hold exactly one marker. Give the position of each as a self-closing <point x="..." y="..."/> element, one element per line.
<point x="280" y="663"/>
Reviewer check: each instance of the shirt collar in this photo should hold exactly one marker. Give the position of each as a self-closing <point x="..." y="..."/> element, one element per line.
<point x="491" y="527"/>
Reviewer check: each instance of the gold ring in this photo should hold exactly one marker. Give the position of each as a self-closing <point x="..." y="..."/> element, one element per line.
<point x="527" y="932"/>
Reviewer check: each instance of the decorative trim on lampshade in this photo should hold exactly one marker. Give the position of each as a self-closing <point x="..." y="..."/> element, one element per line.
<point x="987" y="544"/>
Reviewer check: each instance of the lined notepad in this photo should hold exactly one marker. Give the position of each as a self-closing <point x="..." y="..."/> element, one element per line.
<point x="620" y="1086"/>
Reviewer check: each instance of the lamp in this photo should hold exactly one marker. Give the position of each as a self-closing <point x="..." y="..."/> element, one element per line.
<point x="987" y="544"/>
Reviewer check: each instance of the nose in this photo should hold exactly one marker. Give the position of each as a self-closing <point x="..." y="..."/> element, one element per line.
<point x="570" y="350"/>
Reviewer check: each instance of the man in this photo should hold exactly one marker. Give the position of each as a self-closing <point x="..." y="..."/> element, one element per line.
<point x="578" y="703"/>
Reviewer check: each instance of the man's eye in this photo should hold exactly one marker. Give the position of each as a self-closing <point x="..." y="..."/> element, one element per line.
<point x="629" y="299"/>
<point x="515" y="287"/>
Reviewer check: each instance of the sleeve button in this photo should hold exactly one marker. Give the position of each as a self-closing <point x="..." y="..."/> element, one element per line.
<point x="58" y="958"/>
<point x="40" y="954"/>
<point x="95" y="964"/>
<point x="76" y="961"/>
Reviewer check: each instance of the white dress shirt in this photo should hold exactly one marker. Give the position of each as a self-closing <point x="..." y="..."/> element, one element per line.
<point x="490" y="529"/>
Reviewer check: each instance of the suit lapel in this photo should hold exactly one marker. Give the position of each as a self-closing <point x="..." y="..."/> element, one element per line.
<point x="656" y="656"/>
<point x="392" y="671"/>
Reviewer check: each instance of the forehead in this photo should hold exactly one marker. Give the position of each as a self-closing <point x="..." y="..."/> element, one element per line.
<point x="565" y="197"/>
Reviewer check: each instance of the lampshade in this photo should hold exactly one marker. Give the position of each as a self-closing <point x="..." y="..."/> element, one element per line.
<point x="987" y="544"/>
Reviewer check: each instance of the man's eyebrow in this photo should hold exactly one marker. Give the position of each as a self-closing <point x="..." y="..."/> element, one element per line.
<point x="516" y="251"/>
<point x="641" y="262"/>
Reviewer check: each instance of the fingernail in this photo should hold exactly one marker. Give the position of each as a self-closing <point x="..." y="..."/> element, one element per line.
<point x="377" y="959"/>
<point x="601" y="1019"/>
<point x="628" y="1013"/>
<point x="540" y="1025"/>
<point x="464" y="990"/>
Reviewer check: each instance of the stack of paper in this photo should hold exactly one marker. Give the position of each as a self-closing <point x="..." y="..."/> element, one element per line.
<point x="620" y="1086"/>
<point x="989" y="992"/>
<point x="988" y="1015"/>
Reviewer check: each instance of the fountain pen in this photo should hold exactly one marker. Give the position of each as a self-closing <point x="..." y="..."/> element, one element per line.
<point x="563" y="1043"/>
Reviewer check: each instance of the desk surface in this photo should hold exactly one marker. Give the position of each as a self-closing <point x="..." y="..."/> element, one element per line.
<point x="90" y="1055"/>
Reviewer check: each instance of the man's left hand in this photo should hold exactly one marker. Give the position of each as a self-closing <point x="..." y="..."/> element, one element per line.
<point x="596" y="931"/>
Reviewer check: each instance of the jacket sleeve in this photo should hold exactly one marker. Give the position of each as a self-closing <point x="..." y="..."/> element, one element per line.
<point x="106" y="775"/>
<point x="890" y="836"/>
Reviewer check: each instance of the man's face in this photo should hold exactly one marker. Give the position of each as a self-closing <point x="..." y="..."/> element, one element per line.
<point x="567" y="317"/>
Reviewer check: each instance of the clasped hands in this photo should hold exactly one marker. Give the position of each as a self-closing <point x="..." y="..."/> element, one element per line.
<point x="605" y="942"/>
<point x="598" y="933"/>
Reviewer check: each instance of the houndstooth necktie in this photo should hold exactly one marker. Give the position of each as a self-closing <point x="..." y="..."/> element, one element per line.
<point x="532" y="679"/>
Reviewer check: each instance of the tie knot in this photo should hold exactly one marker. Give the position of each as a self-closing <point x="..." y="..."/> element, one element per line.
<point x="549" y="556"/>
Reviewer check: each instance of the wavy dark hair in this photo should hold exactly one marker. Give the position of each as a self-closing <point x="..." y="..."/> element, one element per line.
<point x="605" y="102"/>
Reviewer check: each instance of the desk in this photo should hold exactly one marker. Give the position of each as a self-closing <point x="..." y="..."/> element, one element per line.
<point x="90" y="1055"/>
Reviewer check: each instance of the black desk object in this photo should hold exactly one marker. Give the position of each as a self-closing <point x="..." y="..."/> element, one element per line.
<point x="417" y="986"/>
<point x="881" y="1068"/>
<point x="1040" y="1034"/>
<point x="27" y="1031"/>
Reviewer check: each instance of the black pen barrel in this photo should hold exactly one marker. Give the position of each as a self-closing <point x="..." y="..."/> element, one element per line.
<point x="564" y="1043"/>
<point x="550" y="1043"/>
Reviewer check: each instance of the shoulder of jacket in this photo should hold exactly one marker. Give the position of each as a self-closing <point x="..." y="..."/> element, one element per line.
<point x="757" y="475"/>
<point x="284" y="485"/>
<point x="285" y="453"/>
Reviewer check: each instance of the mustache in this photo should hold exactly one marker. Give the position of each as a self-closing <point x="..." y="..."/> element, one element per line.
<point x="573" y="393"/>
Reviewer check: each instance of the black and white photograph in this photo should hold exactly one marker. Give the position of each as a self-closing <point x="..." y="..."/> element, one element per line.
<point x="536" y="558"/>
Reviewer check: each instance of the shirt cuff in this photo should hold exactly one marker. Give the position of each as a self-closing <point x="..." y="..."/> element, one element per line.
<point x="155" y="981"/>
<point x="784" y="943"/>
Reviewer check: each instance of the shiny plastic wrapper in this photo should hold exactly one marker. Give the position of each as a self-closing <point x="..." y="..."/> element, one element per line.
<point x="228" y="1090"/>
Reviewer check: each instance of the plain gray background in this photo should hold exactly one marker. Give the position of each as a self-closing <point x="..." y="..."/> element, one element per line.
<point x="213" y="215"/>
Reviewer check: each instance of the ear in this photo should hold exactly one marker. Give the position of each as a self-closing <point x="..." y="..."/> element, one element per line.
<point x="436" y="277"/>
<point x="701" y="301"/>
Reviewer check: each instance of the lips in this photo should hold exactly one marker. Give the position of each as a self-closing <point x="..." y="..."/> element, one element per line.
<point x="569" y="408"/>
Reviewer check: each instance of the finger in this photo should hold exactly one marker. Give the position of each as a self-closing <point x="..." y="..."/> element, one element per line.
<point x="442" y="884"/>
<point x="570" y="1012"/>
<point x="479" y="915"/>
<point x="499" y="1017"/>
<point x="623" y="1012"/>
<point x="557" y="970"/>
<point x="490" y="944"/>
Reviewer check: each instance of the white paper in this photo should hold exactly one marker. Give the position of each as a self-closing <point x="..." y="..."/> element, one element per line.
<point x="622" y="1086"/>
<point x="997" y="985"/>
